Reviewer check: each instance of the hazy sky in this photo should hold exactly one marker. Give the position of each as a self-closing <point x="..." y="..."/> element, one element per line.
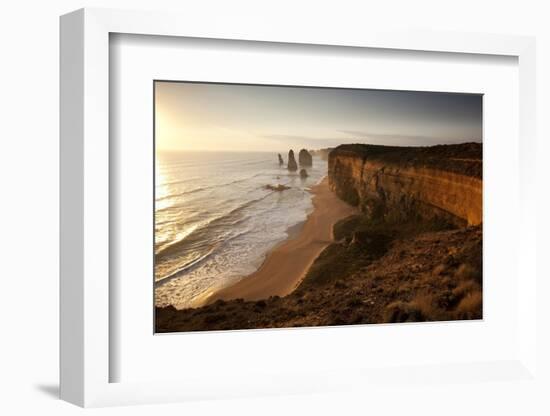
<point x="196" y="116"/>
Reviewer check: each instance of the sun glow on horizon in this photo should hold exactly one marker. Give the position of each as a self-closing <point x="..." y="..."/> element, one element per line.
<point x="229" y="117"/>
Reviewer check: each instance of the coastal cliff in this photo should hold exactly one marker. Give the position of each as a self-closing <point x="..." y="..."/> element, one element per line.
<point x="414" y="253"/>
<point x="396" y="183"/>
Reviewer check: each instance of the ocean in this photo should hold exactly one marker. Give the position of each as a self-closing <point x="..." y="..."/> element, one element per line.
<point x="215" y="220"/>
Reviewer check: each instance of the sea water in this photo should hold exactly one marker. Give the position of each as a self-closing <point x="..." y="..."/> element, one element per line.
<point x="215" y="220"/>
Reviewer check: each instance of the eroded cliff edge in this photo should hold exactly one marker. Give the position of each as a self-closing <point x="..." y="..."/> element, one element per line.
<point x="395" y="183"/>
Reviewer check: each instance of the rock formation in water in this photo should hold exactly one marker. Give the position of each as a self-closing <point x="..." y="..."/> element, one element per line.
<point x="292" y="166"/>
<point x="395" y="183"/>
<point x="278" y="188"/>
<point x="281" y="161"/>
<point x="303" y="173"/>
<point x="304" y="158"/>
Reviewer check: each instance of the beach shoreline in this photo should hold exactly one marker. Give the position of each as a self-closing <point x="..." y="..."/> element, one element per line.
<point x="286" y="265"/>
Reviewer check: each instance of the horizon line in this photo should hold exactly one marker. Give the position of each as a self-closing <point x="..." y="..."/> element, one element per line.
<point x="308" y="149"/>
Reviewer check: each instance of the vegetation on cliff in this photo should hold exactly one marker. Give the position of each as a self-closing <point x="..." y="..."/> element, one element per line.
<point x="464" y="158"/>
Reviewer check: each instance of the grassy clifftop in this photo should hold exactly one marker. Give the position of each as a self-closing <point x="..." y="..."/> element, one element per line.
<point x="464" y="158"/>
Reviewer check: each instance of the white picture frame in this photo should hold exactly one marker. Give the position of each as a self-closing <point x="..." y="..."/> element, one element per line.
<point x="85" y="221"/>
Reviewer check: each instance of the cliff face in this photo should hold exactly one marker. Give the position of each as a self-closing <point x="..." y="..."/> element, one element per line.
<point x="396" y="183"/>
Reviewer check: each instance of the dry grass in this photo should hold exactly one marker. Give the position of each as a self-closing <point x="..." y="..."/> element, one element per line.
<point x="439" y="270"/>
<point x="422" y="308"/>
<point x="467" y="296"/>
<point x="463" y="299"/>
<point x="470" y="307"/>
<point x="466" y="288"/>
<point x="400" y="311"/>
<point x="465" y="272"/>
<point x="469" y="293"/>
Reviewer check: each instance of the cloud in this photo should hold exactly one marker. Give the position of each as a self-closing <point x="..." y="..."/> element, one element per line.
<point x="356" y="136"/>
<point x="305" y="141"/>
<point x="400" y="139"/>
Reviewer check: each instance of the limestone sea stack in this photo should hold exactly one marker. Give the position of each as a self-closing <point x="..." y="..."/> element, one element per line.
<point x="303" y="173"/>
<point x="292" y="166"/>
<point x="304" y="157"/>
<point x="281" y="161"/>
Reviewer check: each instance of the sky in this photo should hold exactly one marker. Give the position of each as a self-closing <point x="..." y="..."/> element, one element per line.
<point x="222" y="117"/>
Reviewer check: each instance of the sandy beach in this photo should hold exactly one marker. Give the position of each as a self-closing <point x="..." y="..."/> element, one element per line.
<point x="287" y="264"/>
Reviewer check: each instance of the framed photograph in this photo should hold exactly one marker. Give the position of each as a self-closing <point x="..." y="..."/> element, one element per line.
<point x="361" y="226"/>
<point x="264" y="211"/>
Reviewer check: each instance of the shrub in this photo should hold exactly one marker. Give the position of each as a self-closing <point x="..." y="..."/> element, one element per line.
<point x="420" y="309"/>
<point x="465" y="272"/>
<point x="400" y="311"/>
<point x="355" y="302"/>
<point x="438" y="270"/>
<point x="465" y="288"/>
<point x="215" y="318"/>
<point x="470" y="307"/>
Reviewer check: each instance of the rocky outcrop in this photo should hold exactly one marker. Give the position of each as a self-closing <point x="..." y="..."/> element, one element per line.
<point x="292" y="166"/>
<point x="304" y="158"/>
<point x="278" y="188"/>
<point x="396" y="183"/>
<point x="281" y="161"/>
<point x="303" y="173"/>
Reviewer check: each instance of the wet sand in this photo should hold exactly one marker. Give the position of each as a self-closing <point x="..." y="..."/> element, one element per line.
<point x="287" y="264"/>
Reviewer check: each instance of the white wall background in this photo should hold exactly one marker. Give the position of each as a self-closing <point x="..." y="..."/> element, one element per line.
<point x="29" y="190"/>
